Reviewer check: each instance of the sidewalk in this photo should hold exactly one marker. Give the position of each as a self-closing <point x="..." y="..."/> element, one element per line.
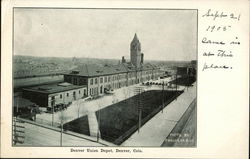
<point x="154" y="132"/>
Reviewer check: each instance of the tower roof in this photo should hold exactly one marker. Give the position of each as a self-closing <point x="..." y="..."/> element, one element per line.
<point x="135" y="38"/>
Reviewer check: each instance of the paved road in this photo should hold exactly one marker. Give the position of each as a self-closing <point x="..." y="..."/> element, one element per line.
<point x="40" y="136"/>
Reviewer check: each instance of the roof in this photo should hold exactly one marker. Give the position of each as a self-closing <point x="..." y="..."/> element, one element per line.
<point x="93" y="70"/>
<point x="22" y="103"/>
<point x="54" y="88"/>
<point x="135" y="39"/>
<point x="96" y="70"/>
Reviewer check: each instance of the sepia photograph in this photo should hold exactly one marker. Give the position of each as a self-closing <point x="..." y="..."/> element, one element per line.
<point x="100" y="77"/>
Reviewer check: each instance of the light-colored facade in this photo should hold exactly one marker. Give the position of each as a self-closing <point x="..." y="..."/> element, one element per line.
<point x="55" y="94"/>
<point x="66" y="96"/>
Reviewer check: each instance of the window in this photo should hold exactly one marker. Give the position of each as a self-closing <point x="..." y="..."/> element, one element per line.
<point x="75" y="81"/>
<point x="85" y="93"/>
<point x="66" y="78"/>
<point x="92" y="91"/>
<point x="101" y="80"/>
<point x="91" y="81"/>
<point x="60" y="96"/>
<point x="53" y="101"/>
<point x="105" y="79"/>
<point x="79" y="92"/>
<point x="109" y="79"/>
<point x="83" y="81"/>
<point x="67" y="94"/>
<point x="95" y="80"/>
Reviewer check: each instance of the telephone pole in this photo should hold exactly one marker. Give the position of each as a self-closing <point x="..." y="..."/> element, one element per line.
<point x="176" y="79"/>
<point x="52" y="113"/>
<point x="138" y="91"/>
<point x="99" y="123"/>
<point x="162" y="97"/>
<point x="61" y="132"/>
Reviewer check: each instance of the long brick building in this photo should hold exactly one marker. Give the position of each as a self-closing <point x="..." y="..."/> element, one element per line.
<point x="97" y="78"/>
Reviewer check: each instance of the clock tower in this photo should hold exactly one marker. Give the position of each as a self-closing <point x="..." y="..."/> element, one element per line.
<point x="135" y="51"/>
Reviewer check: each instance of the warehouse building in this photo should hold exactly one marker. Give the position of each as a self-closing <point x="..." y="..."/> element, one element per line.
<point x="53" y="95"/>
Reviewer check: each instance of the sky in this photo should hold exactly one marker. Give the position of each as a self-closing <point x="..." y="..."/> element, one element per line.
<point x="105" y="33"/>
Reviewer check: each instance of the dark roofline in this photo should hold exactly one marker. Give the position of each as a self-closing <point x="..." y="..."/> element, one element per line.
<point x="92" y="75"/>
<point x="45" y="92"/>
<point x="133" y="69"/>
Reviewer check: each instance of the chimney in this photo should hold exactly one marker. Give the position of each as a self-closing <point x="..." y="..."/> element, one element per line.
<point x="142" y="58"/>
<point x="123" y="59"/>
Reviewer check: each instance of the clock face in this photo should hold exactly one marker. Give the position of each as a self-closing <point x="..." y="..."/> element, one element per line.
<point x="134" y="46"/>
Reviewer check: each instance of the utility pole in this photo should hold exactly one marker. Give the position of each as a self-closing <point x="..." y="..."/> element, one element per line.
<point x="52" y="105"/>
<point x="61" y="132"/>
<point x="99" y="122"/>
<point x="188" y="78"/>
<point x="162" y="97"/>
<point x="63" y="118"/>
<point x="138" y="91"/>
<point x="176" y="86"/>
<point x="140" y="111"/>
<point x="78" y="106"/>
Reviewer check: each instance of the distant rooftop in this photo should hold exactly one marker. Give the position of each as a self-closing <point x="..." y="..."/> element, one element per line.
<point x="53" y="88"/>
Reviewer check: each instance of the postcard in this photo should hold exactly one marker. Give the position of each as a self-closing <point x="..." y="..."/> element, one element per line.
<point x="125" y="79"/>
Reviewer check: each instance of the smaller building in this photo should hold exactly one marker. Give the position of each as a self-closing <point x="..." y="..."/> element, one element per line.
<point x="25" y="108"/>
<point x="186" y="71"/>
<point x="182" y="71"/>
<point x="53" y="95"/>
